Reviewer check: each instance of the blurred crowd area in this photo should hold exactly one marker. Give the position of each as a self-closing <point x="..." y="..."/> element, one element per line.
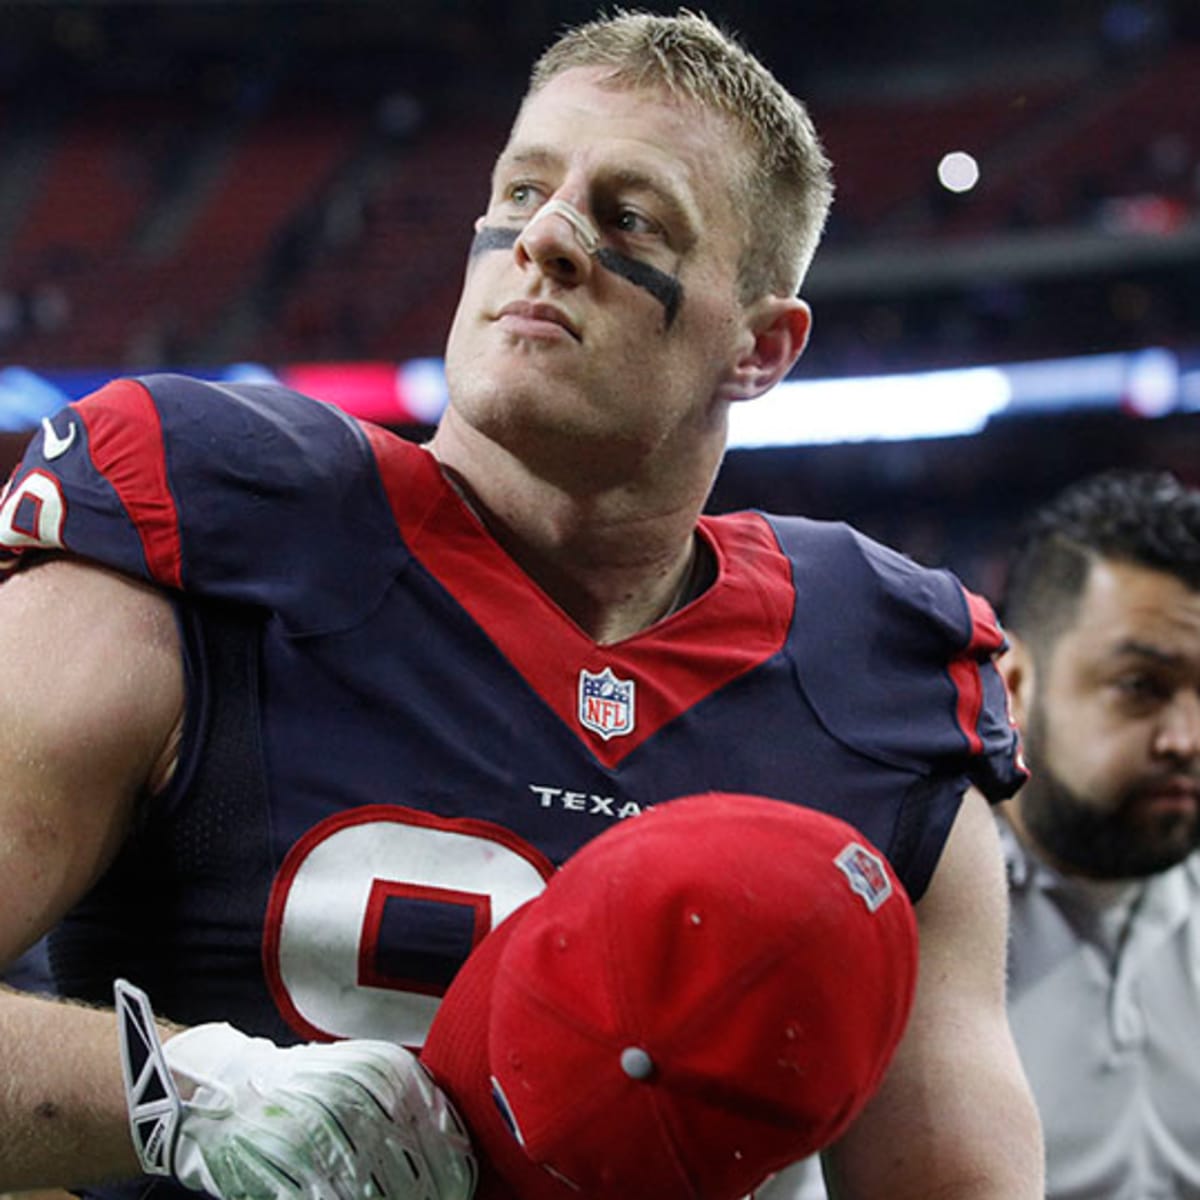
<point x="279" y="181"/>
<point x="187" y="183"/>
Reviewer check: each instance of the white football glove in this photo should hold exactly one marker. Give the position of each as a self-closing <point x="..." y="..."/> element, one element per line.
<point x="354" y="1120"/>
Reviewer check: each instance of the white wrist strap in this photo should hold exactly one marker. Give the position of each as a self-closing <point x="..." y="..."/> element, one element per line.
<point x="155" y="1108"/>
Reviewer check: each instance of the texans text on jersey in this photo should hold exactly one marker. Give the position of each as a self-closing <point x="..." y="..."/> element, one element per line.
<point x="584" y="802"/>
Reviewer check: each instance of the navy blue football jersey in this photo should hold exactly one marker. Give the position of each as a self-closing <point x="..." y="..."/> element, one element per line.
<point x="394" y="737"/>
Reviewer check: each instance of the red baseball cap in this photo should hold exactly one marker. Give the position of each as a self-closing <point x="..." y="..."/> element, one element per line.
<point x="702" y="995"/>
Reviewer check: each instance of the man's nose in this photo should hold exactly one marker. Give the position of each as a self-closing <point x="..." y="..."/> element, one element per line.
<point x="1178" y="734"/>
<point x="560" y="240"/>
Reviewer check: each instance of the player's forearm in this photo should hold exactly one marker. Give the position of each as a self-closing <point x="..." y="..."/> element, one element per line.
<point x="62" y="1102"/>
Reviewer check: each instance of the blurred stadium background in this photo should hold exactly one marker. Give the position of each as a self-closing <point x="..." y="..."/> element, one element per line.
<point x="1008" y="296"/>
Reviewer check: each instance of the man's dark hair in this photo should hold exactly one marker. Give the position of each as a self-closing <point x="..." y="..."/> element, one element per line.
<point x="1145" y="518"/>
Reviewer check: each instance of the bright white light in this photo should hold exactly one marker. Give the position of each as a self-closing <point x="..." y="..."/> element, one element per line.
<point x="1152" y="387"/>
<point x="882" y="407"/>
<point x="421" y="384"/>
<point x="958" y="171"/>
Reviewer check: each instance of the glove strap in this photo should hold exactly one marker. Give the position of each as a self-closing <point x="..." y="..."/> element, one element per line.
<point x="153" y="1100"/>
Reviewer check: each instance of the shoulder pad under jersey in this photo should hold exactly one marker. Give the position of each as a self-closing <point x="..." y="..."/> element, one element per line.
<point x="899" y="659"/>
<point x="247" y="492"/>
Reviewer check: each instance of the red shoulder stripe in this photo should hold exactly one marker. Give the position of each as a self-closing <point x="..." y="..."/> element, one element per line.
<point x="985" y="640"/>
<point x="126" y="446"/>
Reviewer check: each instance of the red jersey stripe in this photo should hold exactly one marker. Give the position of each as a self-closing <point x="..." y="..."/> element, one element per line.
<point x="126" y="445"/>
<point x="986" y="638"/>
<point x="672" y="671"/>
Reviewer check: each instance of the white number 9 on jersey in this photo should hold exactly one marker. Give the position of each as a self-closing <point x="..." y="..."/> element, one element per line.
<point x="374" y="910"/>
<point x="32" y="513"/>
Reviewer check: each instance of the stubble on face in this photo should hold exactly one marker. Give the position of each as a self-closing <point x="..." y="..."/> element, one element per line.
<point x="1114" y="837"/>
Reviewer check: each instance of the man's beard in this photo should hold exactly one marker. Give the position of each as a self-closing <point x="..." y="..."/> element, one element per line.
<point x="1120" y="842"/>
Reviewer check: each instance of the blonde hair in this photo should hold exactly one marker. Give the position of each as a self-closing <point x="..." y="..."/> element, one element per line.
<point x="787" y="193"/>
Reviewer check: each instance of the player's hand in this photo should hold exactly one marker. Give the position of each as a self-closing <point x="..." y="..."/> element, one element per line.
<point x="244" y="1119"/>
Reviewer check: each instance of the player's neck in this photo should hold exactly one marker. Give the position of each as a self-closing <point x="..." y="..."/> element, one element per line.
<point x="611" y="562"/>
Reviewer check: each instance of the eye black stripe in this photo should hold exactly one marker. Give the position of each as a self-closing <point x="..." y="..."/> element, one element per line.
<point x="666" y="289"/>
<point x="491" y="237"/>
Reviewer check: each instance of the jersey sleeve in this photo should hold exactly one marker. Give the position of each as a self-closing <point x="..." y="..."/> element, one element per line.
<point x="244" y="492"/>
<point x="899" y="660"/>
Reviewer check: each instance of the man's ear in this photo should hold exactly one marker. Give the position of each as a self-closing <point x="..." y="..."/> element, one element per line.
<point x="777" y="329"/>
<point x="1016" y="667"/>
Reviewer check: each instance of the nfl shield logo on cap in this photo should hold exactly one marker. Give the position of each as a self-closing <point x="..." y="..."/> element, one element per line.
<point x="605" y="703"/>
<point x="866" y="874"/>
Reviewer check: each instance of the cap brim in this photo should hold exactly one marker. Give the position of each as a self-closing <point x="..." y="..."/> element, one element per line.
<point x="456" y="1052"/>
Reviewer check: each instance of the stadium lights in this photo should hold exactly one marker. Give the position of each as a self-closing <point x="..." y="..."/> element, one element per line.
<point x="1154" y="382"/>
<point x="958" y="171"/>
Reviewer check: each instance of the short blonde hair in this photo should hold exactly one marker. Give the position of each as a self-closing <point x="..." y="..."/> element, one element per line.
<point x="787" y="194"/>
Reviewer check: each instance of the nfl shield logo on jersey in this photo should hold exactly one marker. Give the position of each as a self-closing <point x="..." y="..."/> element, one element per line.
<point x="866" y="874"/>
<point x="605" y="703"/>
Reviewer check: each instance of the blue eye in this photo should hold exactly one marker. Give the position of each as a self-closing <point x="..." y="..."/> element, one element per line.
<point x="523" y="194"/>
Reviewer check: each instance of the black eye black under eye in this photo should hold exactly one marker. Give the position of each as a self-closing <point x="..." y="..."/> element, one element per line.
<point x="666" y="289"/>
<point x="493" y="237"/>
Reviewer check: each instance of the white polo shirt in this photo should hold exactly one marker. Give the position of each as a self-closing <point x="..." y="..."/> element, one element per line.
<point x="1104" y="1000"/>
